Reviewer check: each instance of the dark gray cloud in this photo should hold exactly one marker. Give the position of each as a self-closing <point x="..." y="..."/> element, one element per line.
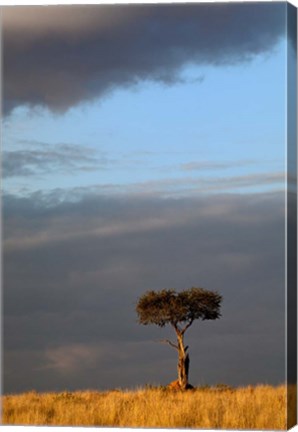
<point x="60" y="56"/>
<point x="73" y="272"/>
<point x="47" y="159"/>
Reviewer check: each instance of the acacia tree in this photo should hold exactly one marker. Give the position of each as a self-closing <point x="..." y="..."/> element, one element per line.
<point x="179" y="310"/>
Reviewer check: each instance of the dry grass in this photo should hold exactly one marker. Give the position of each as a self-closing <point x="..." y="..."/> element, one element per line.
<point x="260" y="407"/>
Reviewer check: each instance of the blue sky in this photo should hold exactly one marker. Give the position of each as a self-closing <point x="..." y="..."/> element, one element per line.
<point x="215" y="122"/>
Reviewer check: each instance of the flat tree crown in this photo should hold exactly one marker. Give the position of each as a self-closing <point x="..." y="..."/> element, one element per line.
<point x="171" y="307"/>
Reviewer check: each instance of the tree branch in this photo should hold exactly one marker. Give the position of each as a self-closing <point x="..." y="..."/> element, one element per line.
<point x="177" y="329"/>
<point x="187" y="326"/>
<point x="169" y="342"/>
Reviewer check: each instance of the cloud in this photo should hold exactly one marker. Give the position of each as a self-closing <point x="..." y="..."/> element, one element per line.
<point x="167" y="187"/>
<point x="210" y="165"/>
<point x="69" y="300"/>
<point x="100" y="226"/>
<point x="58" y="57"/>
<point x="48" y="159"/>
<point x="70" y="358"/>
<point x="193" y="186"/>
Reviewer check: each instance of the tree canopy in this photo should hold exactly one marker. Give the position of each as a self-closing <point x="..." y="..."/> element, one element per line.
<point x="171" y="307"/>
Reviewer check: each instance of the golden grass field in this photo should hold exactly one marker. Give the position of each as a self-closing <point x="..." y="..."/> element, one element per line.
<point x="260" y="407"/>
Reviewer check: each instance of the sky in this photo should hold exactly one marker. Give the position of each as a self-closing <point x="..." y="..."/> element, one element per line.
<point x="143" y="148"/>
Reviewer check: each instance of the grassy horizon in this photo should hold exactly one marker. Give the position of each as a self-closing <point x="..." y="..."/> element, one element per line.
<point x="221" y="407"/>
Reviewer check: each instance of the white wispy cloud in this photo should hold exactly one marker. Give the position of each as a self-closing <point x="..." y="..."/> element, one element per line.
<point x="213" y="165"/>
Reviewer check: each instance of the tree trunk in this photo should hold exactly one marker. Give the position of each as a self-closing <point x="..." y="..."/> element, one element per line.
<point x="183" y="363"/>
